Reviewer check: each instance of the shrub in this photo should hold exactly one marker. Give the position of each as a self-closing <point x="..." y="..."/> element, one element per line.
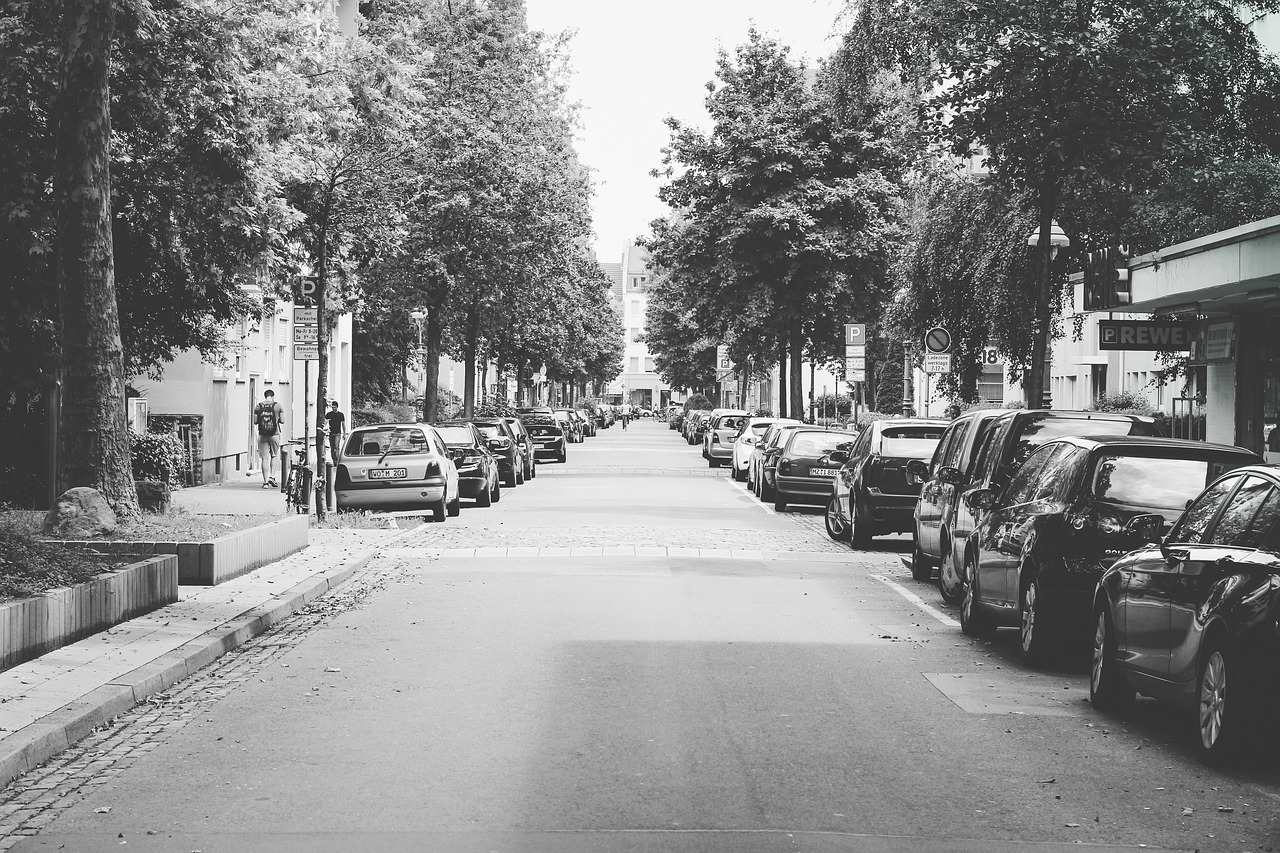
<point x="1124" y="402"/>
<point x="29" y="567"/>
<point x="384" y="413"/>
<point x="697" y="401"/>
<point x="158" y="456"/>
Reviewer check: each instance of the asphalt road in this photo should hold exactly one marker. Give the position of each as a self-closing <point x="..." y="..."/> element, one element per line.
<point x="697" y="673"/>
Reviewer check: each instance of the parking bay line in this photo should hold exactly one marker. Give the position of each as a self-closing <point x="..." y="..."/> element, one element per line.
<point x="918" y="601"/>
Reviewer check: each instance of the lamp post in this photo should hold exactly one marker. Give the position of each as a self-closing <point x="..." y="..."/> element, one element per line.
<point x="419" y="315"/>
<point x="1058" y="239"/>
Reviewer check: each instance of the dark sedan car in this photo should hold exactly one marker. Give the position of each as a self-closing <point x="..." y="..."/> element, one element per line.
<point x="804" y="469"/>
<point x="548" y="437"/>
<point x="525" y="441"/>
<point x="478" y="476"/>
<point x="1073" y="508"/>
<point x="1194" y="621"/>
<point x="873" y="492"/>
<point x="504" y="444"/>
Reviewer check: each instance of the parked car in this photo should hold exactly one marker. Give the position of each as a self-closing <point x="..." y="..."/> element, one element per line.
<point x="569" y="424"/>
<point x="1193" y="621"/>
<point x="504" y="445"/>
<point x="548" y="438"/>
<point x="981" y="450"/>
<point x="478" y="476"/>
<point x="804" y="469"/>
<point x="387" y="466"/>
<point x="767" y="461"/>
<point x="586" y="421"/>
<point x="691" y="423"/>
<point x="873" y="493"/>
<point x="1073" y="508"/>
<point x="717" y="445"/>
<point x="752" y="431"/>
<point x="526" y="441"/>
<point x="755" y="464"/>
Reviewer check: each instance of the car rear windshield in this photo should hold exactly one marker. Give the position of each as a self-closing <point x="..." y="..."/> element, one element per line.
<point x="1157" y="482"/>
<point x="908" y="448"/>
<point x="1048" y="427"/>
<point x="375" y="442"/>
<point x="456" y="434"/>
<point x="490" y="430"/>
<point x="817" y="443"/>
<point x="545" y="430"/>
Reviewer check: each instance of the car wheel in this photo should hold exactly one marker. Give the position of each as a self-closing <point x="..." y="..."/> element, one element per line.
<point x="973" y="622"/>
<point x="921" y="568"/>
<point x="454" y="508"/>
<point x="950" y="584"/>
<point x="563" y="457"/>
<point x="738" y="475"/>
<point x="497" y="491"/>
<point x="485" y="496"/>
<point x="766" y="491"/>
<point x="1219" y="706"/>
<point x="1108" y="688"/>
<point x="519" y="476"/>
<point x="837" y="528"/>
<point x="779" y="501"/>
<point x="1035" y="627"/>
<point x="440" y="509"/>
<point x="860" y="531"/>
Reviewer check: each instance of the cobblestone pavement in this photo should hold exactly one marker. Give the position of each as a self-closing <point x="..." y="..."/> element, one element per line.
<point x="34" y="800"/>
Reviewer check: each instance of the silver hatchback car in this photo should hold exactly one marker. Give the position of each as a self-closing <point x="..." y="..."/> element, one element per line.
<point x="387" y="466"/>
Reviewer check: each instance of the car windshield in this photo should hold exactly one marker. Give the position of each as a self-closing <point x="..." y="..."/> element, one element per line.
<point x="1157" y="482"/>
<point x="816" y="443"/>
<point x="761" y="429"/>
<point x="456" y="435"/>
<point x="1047" y="427"/>
<point x="490" y="430"/>
<point x="375" y="442"/>
<point x="544" y="429"/>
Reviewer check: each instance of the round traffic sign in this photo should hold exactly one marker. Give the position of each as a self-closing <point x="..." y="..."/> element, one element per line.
<point x="937" y="339"/>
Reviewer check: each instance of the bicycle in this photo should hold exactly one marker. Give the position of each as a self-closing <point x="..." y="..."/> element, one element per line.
<point x="297" y="487"/>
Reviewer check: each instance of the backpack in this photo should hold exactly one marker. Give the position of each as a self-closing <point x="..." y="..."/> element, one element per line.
<point x="266" y="418"/>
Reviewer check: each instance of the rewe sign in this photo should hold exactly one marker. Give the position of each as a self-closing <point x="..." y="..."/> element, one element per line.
<point x="1146" y="335"/>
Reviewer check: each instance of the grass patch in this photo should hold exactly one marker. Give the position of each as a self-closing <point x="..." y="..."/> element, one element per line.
<point x="29" y="567"/>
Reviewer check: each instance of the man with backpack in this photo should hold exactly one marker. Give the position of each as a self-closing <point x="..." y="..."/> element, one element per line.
<point x="268" y="416"/>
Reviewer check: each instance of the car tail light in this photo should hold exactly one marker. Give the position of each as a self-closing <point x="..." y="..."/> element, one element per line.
<point x="433" y="469"/>
<point x="341" y="478"/>
<point x="871" y="472"/>
<point x="715" y="438"/>
<point x="784" y="467"/>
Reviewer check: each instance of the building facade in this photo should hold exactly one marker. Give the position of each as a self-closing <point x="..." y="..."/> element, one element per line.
<point x="639" y="383"/>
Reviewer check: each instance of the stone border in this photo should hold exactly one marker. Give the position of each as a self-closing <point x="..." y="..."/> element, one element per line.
<point x="34" y="626"/>
<point x="218" y="560"/>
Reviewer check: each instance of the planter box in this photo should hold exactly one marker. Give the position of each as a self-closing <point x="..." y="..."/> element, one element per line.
<point x="33" y="626"/>
<point x="221" y="559"/>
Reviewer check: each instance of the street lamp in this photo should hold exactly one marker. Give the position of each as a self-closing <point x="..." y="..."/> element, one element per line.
<point x="419" y="315"/>
<point x="1058" y="239"/>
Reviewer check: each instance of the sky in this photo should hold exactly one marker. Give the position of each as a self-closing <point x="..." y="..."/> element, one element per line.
<point x="637" y="63"/>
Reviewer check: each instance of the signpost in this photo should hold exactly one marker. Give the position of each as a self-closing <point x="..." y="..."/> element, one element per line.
<point x="937" y="362"/>
<point x="855" y="352"/>
<point x="937" y="340"/>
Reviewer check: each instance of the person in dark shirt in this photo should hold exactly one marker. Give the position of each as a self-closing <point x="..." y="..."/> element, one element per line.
<point x="337" y="427"/>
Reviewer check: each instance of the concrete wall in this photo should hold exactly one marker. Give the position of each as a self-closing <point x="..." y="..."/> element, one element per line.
<point x="1220" y="403"/>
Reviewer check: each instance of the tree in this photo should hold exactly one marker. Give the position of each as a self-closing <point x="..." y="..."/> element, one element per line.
<point x="93" y="448"/>
<point x="789" y="214"/>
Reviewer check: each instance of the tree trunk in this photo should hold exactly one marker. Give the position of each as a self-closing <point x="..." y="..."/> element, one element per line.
<point x="431" y="366"/>
<point x="93" y="440"/>
<point x="782" y="376"/>
<point x="797" y="371"/>
<point x="469" y="380"/>
<point x="322" y="334"/>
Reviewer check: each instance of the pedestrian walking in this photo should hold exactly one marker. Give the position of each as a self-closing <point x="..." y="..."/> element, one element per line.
<point x="337" y="423"/>
<point x="626" y="416"/>
<point x="269" y="417"/>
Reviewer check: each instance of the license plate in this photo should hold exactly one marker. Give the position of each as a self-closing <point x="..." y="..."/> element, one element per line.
<point x="388" y="473"/>
<point x="823" y="472"/>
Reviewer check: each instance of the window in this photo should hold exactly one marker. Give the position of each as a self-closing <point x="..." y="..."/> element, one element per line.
<point x="1191" y="527"/>
<point x="635" y="364"/>
<point x="1058" y="474"/>
<point x="638" y="282"/>
<point x="648" y="365"/>
<point x="991" y="384"/>
<point x="956" y="447"/>
<point x="1155" y="481"/>
<point x="1022" y="488"/>
<point x="1237" y="524"/>
<point x="941" y="452"/>
<point x="635" y="308"/>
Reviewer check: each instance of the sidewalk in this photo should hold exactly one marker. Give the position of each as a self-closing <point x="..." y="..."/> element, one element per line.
<point x="49" y="703"/>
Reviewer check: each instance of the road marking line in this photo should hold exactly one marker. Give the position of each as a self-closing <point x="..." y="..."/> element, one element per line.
<point x="918" y="601"/>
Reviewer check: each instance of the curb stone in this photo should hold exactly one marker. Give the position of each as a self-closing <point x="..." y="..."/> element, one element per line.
<point x="32" y="745"/>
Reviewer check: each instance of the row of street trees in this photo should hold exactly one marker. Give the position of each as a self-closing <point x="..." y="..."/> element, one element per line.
<point x="168" y="160"/>
<point x="832" y="196"/>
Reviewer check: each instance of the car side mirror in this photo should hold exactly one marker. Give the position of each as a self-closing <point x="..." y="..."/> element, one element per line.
<point x="1145" y="527"/>
<point x="918" y="470"/>
<point x="838" y="456"/>
<point x="949" y="475"/>
<point x="982" y="499"/>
